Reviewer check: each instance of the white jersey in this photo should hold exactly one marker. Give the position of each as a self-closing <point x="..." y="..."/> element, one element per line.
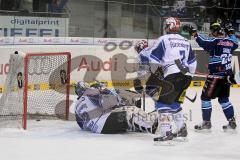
<point x="144" y="63"/>
<point x="169" y="48"/>
<point x="93" y="109"/>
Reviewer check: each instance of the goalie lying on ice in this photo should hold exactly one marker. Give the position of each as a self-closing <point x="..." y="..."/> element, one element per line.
<point x="109" y="111"/>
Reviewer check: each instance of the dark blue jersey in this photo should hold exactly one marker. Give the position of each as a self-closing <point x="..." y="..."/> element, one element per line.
<point x="220" y="51"/>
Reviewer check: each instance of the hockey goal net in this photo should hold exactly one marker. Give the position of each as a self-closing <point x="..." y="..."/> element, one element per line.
<point x="37" y="86"/>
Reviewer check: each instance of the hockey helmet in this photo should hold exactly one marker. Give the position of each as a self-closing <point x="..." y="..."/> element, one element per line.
<point x="140" y="45"/>
<point x="216" y="28"/>
<point x="81" y="87"/>
<point x="98" y="85"/>
<point x="172" y="24"/>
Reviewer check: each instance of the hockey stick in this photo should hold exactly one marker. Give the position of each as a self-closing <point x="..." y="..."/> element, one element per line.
<point x="144" y="99"/>
<point x="237" y="77"/>
<point x="192" y="99"/>
<point x="185" y="71"/>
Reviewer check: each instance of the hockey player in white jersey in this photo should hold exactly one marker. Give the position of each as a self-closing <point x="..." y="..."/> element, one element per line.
<point x="109" y="111"/>
<point x="154" y="80"/>
<point x="174" y="54"/>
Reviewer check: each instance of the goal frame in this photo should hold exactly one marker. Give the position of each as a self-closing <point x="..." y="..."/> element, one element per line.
<point x="25" y="89"/>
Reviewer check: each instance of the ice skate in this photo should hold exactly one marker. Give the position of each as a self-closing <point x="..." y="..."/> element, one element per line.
<point x="204" y="127"/>
<point x="181" y="135"/>
<point x="165" y="140"/>
<point x="231" y="126"/>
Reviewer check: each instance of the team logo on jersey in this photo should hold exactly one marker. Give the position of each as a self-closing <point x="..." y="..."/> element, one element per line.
<point x="225" y="43"/>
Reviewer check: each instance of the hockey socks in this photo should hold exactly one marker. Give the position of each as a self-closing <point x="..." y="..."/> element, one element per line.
<point x="206" y="116"/>
<point x="229" y="113"/>
<point x="165" y="127"/>
<point x="179" y="120"/>
<point x="206" y="110"/>
<point x="228" y="110"/>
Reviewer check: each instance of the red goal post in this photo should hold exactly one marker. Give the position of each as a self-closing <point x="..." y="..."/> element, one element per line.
<point x="26" y="62"/>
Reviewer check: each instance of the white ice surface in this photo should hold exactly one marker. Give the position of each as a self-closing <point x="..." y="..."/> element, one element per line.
<point x="62" y="140"/>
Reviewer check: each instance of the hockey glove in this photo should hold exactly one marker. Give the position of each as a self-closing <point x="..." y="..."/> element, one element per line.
<point x="192" y="31"/>
<point x="228" y="29"/>
<point x="137" y="85"/>
<point x="138" y="103"/>
<point x="231" y="79"/>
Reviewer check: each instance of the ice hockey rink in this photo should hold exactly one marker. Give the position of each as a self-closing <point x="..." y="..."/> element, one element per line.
<point x="64" y="140"/>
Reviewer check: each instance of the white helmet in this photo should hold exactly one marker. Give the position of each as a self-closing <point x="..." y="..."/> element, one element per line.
<point x="141" y="45"/>
<point x="172" y="24"/>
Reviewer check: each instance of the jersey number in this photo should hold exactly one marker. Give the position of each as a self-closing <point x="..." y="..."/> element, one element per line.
<point x="182" y="53"/>
<point x="226" y="60"/>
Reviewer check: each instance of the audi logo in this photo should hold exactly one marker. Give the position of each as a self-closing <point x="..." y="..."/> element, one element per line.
<point x="124" y="45"/>
<point x="40" y="65"/>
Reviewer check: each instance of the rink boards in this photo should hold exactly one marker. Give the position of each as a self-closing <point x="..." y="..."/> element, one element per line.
<point x="110" y="60"/>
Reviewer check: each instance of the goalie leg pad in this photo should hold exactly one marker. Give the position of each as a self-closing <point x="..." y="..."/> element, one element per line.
<point x="140" y="121"/>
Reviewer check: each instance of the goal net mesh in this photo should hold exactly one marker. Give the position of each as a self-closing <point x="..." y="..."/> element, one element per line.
<point x="36" y="87"/>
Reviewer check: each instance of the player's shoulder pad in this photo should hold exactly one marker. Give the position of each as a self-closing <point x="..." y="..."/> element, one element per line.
<point x="207" y="38"/>
<point x="185" y="39"/>
<point x="157" y="41"/>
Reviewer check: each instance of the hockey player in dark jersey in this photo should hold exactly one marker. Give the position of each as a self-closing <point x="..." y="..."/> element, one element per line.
<point x="220" y="49"/>
<point x="110" y="111"/>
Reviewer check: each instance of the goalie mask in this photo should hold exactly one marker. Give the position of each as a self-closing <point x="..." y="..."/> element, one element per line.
<point x="80" y="88"/>
<point x="140" y="46"/>
<point x="172" y="25"/>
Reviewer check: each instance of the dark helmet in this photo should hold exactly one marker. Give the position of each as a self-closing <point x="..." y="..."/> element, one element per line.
<point x="216" y="28"/>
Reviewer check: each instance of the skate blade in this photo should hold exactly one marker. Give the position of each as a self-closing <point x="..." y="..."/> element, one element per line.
<point x="229" y="130"/>
<point x="164" y="143"/>
<point x="203" y="131"/>
<point x="180" y="139"/>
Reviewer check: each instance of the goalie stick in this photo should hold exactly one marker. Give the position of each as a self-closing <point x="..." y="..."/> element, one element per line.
<point x="144" y="99"/>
